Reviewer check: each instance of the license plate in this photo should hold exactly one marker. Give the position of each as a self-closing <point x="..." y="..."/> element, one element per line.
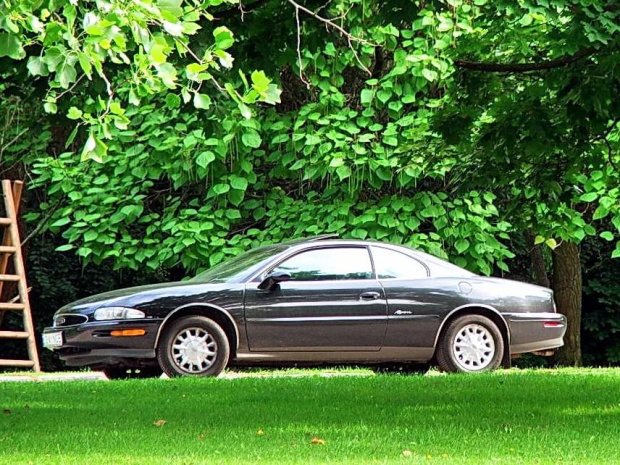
<point x="52" y="340"/>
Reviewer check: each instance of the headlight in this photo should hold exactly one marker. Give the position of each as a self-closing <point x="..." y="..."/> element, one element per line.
<point x="117" y="313"/>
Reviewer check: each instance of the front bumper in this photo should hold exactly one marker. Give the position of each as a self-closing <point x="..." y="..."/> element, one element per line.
<point x="535" y="332"/>
<point x="91" y="343"/>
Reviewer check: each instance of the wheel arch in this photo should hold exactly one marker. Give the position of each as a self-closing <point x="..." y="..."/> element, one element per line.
<point x="482" y="310"/>
<point x="221" y="316"/>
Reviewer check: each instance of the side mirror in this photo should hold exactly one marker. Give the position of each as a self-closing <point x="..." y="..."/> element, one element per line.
<point x="274" y="278"/>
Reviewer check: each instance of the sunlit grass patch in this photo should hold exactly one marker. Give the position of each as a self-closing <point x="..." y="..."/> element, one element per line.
<point x="514" y="417"/>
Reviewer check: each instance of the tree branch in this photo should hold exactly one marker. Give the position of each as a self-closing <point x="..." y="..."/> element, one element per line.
<point x="524" y="67"/>
<point x="42" y="222"/>
<point x="329" y="23"/>
<point x="241" y="9"/>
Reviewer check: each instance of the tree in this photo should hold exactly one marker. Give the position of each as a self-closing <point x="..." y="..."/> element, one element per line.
<point x="541" y="125"/>
<point x="450" y="126"/>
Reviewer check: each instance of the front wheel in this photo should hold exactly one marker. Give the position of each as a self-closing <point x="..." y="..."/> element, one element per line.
<point x="193" y="346"/>
<point x="470" y="344"/>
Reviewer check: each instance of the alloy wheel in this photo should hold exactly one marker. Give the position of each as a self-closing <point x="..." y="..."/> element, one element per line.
<point x="473" y="347"/>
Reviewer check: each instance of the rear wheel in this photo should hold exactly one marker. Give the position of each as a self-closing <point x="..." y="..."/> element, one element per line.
<point x="193" y="346"/>
<point x="116" y="372"/>
<point x="470" y="344"/>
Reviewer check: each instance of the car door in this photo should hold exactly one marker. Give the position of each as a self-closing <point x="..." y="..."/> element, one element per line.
<point x="415" y="301"/>
<point x="331" y="303"/>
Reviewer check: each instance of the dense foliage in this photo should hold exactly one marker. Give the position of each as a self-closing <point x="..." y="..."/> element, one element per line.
<point x="450" y="126"/>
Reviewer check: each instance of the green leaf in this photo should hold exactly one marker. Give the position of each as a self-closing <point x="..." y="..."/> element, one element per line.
<point x="86" y="64"/>
<point x="260" y="82"/>
<point x="94" y="149"/>
<point x="202" y="101"/>
<point x="233" y="214"/>
<point x="384" y="95"/>
<point x="251" y="138"/>
<point x="236" y="196"/>
<point x="551" y="243"/>
<point x="539" y="240"/>
<point x="50" y="107"/>
<point x="462" y="245"/>
<point x="10" y="46"/>
<point x="608" y="236"/>
<point x="53" y="57"/>
<point x="616" y="253"/>
<point x="221" y="188"/>
<point x="272" y="96"/>
<point x="174" y="29"/>
<point x="245" y="111"/>
<point x="589" y="197"/>
<point x="429" y="74"/>
<point x="37" y="67"/>
<point x="412" y="223"/>
<point x="66" y="74"/>
<point x="366" y="96"/>
<point x="90" y="235"/>
<point x="173" y="101"/>
<point x="336" y="162"/>
<point x="74" y="113"/>
<point x="600" y="212"/>
<point x="205" y="158"/>
<point x="223" y="38"/>
<point x="65" y="247"/>
<point x="60" y="222"/>
<point x="239" y="183"/>
<point x="156" y="54"/>
<point x="343" y="172"/>
<point x="172" y="7"/>
<point x="312" y="139"/>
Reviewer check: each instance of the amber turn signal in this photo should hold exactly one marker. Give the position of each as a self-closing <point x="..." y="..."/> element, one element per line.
<point x="128" y="332"/>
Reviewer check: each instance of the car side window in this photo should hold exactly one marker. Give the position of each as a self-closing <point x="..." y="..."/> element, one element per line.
<point x="391" y="264"/>
<point x="328" y="264"/>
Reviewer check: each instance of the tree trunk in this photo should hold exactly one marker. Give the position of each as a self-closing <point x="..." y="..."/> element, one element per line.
<point x="538" y="261"/>
<point x="567" y="290"/>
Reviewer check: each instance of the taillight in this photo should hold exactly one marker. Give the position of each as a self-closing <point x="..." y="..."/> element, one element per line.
<point x="552" y="324"/>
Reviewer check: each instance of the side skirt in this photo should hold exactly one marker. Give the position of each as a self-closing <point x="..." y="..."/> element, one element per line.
<point x="386" y="354"/>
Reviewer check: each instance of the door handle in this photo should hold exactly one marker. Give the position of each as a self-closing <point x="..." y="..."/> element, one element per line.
<point x="369" y="296"/>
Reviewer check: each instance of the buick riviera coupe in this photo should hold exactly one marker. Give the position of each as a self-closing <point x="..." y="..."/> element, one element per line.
<point x="318" y="300"/>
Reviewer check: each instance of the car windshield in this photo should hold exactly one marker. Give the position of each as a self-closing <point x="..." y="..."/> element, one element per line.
<point x="240" y="267"/>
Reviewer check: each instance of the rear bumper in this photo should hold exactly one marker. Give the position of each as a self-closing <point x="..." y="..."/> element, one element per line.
<point x="533" y="332"/>
<point x="91" y="343"/>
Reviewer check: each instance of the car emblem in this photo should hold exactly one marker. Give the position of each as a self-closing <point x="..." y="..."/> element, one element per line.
<point x="402" y="312"/>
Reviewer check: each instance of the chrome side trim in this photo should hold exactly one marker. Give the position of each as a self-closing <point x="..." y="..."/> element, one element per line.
<point x="306" y="319"/>
<point x="211" y="306"/>
<point x="463" y="307"/>
<point x="529" y="317"/>
<point x="399" y="316"/>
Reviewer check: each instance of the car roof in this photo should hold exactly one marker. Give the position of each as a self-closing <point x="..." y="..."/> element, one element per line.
<point x="434" y="263"/>
<point x="332" y="239"/>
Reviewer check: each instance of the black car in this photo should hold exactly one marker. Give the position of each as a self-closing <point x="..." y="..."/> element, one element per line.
<point x="315" y="300"/>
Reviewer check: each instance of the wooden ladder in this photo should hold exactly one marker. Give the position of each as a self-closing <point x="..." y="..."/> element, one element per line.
<point x="11" y="246"/>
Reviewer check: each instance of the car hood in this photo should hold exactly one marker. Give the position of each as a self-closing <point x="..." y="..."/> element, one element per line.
<point x="136" y="294"/>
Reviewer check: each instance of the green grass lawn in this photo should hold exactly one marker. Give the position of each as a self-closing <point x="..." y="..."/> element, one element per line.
<point x="515" y="417"/>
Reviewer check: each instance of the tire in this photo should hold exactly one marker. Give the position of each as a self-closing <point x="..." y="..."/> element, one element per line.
<point x="116" y="372"/>
<point x="208" y="351"/>
<point x="470" y="344"/>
